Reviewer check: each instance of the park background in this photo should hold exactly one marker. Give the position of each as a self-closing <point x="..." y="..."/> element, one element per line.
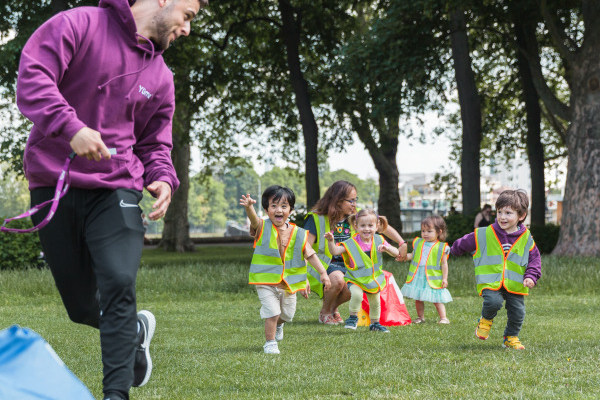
<point x="284" y="87"/>
<point x="275" y="92"/>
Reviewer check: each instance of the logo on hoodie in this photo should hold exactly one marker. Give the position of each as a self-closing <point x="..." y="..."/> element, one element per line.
<point x="144" y="92"/>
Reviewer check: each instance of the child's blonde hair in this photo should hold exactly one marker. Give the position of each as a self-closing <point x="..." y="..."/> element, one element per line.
<point x="438" y="224"/>
<point x="382" y="222"/>
<point x="515" y="199"/>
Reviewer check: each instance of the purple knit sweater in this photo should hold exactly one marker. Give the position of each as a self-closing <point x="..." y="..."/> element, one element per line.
<point x="467" y="244"/>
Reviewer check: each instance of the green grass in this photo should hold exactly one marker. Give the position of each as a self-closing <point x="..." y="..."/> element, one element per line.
<point x="209" y="337"/>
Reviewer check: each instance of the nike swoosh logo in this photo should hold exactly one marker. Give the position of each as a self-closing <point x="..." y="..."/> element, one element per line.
<point x="123" y="204"/>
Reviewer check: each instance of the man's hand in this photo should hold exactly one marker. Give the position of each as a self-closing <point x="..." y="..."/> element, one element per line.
<point x="88" y="143"/>
<point x="162" y="191"/>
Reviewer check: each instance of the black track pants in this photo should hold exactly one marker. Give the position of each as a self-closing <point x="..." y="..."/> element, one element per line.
<point x="93" y="246"/>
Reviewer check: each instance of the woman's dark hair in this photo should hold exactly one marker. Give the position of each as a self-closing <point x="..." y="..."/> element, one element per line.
<point x="276" y="192"/>
<point x="331" y="201"/>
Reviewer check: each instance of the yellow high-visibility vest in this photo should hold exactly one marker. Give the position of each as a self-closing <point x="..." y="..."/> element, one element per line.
<point x="267" y="266"/>
<point x="322" y="250"/>
<point x="367" y="272"/>
<point x="433" y="263"/>
<point x="493" y="268"/>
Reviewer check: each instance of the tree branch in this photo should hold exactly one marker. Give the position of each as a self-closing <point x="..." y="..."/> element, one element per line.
<point x="559" y="37"/>
<point x="222" y="45"/>
<point x="556" y="156"/>
<point x="548" y="97"/>
<point x="558" y="127"/>
<point x="590" y="10"/>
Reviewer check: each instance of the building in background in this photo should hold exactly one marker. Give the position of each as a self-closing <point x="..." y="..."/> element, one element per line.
<point x="419" y="198"/>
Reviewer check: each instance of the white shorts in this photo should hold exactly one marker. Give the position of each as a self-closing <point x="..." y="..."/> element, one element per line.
<point x="276" y="301"/>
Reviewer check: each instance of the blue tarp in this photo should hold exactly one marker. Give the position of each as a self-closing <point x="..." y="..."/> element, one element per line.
<point x="30" y="369"/>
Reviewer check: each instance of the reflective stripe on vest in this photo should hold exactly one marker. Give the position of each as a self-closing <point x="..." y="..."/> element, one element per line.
<point x="320" y="247"/>
<point x="267" y="267"/>
<point x="494" y="269"/>
<point x="433" y="263"/>
<point x="367" y="272"/>
<point x="322" y="250"/>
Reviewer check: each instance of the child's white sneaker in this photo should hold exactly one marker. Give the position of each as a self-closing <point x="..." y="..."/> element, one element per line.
<point x="279" y="333"/>
<point x="271" y="347"/>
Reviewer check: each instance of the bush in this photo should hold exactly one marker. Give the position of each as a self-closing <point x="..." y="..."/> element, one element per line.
<point x="545" y="237"/>
<point x="298" y="215"/>
<point x="19" y="251"/>
<point x="458" y="226"/>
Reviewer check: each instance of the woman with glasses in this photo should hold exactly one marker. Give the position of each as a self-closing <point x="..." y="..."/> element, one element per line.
<point x="330" y="214"/>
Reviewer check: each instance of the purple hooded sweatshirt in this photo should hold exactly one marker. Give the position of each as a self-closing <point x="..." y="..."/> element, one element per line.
<point x="467" y="244"/>
<point x="85" y="67"/>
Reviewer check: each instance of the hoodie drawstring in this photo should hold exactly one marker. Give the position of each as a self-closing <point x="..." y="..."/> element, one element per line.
<point x="144" y="66"/>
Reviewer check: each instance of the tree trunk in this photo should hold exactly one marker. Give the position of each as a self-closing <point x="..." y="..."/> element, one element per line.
<point x="470" y="112"/>
<point x="291" y="38"/>
<point x="58" y="5"/>
<point x="384" y="158"/>
<point x="526" y="39"/>
<point x="389" y="196"/>
<point x="176" y="232"/>
<point x="580" y="227"/>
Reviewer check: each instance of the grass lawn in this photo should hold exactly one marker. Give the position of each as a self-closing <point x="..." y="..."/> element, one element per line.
<point x="209" y="337"/>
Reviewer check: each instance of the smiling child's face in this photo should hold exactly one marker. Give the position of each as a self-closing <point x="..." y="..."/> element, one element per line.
<point x="508" y="219"/>
<point x="278" y="211"/>
<point x="366" y="226"/>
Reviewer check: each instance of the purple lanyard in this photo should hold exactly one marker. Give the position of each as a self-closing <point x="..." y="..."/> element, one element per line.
<point x="62" y="187"/>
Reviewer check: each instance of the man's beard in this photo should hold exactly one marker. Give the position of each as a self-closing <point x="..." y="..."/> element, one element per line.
<point x="161" y="39"/>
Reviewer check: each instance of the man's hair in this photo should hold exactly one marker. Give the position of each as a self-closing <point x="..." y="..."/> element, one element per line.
<point x="515" y="199"/>
<point x="436" y="223"/>
<point x="203" y="3"/>
<point x="275" y="193"/>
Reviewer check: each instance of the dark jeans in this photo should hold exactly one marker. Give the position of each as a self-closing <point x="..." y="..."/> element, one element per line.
<point x="93" y="246"/>
<point x="515" y="308"/>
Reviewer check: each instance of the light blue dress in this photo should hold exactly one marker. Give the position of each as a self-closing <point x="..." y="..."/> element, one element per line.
<point x="419" y="289"/>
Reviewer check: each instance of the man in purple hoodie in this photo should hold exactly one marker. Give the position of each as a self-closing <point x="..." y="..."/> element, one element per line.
<point x="507" y="264"/>
<point x="93" y="81"/>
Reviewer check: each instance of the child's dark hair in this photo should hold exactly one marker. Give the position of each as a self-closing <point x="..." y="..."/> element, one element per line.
<point x="275" y="193"/>
<point x="438" y="224"/>
<point x="515" y="199"/>
<point x="381" y="220"/>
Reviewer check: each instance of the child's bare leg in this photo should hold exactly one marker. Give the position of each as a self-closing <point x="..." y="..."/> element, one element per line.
<point x="420" y="306"/>
<point x="441" y="309"/>
<point x="271" y="326"/>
